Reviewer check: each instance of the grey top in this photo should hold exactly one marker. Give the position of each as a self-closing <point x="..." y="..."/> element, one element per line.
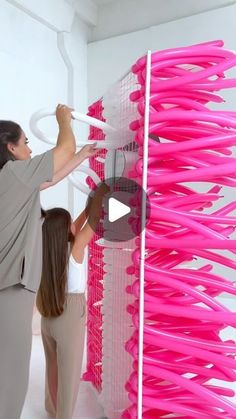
<point x="20" y="220"/>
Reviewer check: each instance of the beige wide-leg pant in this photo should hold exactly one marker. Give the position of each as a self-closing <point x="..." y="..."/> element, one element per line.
<point x="16" y="310"/>
<point x="63" y="340"/>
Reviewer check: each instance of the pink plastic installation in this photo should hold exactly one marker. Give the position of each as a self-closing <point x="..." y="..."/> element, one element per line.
<point x="183" y="318"/>
<point x="95" y="272"/>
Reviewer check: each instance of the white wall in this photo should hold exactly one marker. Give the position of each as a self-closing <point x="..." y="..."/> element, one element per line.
<point x="77" y="45"/>
<point x="33" y="76"/>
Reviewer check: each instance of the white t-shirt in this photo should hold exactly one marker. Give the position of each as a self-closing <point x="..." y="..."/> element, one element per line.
<point x="76" y="276"/>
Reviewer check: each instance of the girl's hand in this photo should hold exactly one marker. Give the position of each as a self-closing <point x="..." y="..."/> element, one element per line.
<point x="103" y="189"/>
<point x="88" y="151"/>
<point x="63" y="115"/>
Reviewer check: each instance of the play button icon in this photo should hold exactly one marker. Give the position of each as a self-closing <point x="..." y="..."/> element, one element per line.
<point x="116" y="210"/>
<point x="118" y="203"/>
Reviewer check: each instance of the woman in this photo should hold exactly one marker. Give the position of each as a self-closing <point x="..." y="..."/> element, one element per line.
<point x="21" y="247"/>
<point x="61" y="302"/>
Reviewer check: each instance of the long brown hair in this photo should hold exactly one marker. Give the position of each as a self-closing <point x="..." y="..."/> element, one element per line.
<point x="10" y="132"/>
<point x="51" y="295"/>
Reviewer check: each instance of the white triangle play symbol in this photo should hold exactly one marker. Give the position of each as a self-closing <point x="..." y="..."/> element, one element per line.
<point x="116" y="210"/>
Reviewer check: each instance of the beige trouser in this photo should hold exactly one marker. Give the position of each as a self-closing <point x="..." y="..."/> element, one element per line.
<point x="63" y="340"/>
<point x="16" y="310"/>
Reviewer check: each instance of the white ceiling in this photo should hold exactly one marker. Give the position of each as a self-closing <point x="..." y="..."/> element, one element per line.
<point x="102" y="2"/>
<point x="108" y="18"/>
<point x="117" y="17"/>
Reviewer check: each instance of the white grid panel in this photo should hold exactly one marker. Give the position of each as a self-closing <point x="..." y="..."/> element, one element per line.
<point x="119" y="111"/>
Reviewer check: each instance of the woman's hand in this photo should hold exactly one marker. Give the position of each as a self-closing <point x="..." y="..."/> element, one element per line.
<point x="63" y="115"/>
<point x="88" y="151"/>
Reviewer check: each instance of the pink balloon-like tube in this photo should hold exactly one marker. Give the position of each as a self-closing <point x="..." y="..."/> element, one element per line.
<point x="194" y="387"/>
<point x="195" y="76"/>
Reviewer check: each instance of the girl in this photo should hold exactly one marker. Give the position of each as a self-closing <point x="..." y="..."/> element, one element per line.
<point x="21" y="246"/>
<point x="61" y="302"/>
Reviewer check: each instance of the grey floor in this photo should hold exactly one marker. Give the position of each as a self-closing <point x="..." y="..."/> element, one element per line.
<point x="87" y="405"/>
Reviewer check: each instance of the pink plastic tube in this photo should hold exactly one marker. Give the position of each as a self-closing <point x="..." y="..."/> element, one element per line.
<point x="183" y="318"/>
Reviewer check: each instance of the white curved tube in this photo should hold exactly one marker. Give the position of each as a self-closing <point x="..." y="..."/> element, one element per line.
<point x="79" y="185"/>
<point x="92" y="121"/>
<point x="42" y="113"/>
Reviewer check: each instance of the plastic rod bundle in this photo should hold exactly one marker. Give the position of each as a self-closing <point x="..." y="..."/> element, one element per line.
<point x="183" y="348"/>
<point x="95" y="270"/>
